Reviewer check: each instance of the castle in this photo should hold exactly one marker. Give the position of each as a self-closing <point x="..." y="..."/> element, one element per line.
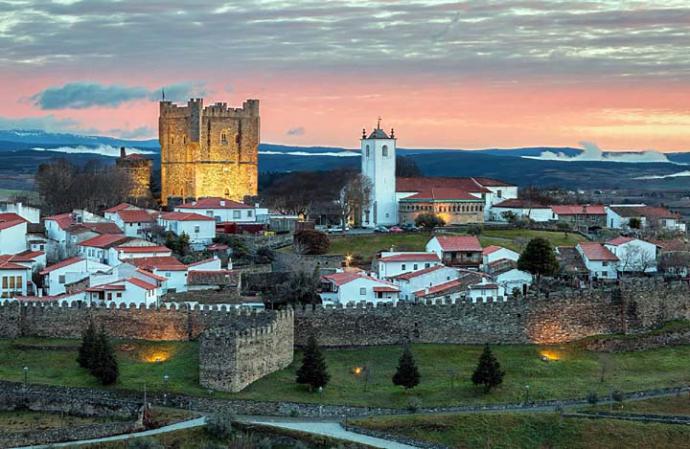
<point x="139" y="169"/>
<point x="208" y="151"/>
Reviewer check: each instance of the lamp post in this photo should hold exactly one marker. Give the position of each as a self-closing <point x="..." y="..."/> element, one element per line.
<point x="526" y="394"/>
<point x="165" y="389"/>
<point x="26" y="375"/>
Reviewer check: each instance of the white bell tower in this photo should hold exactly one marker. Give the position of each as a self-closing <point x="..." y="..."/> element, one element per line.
<point x="378" y="164"/>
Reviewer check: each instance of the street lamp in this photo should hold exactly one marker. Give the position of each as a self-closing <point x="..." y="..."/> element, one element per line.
<point x="526" y="394"/>
<point x="26" y="375"/>
<point x="165" y="389"/>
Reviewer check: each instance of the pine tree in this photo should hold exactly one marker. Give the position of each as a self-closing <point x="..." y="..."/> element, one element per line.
<point x="488" y="372"/>
<point x="313" y="371"/>
<point x="407" y="374"/>
<point x="105" y="366"/>
<point x="539" y="258"/>
<point x="88" y="340"/>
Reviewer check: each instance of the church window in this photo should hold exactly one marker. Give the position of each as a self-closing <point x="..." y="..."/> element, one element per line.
<point x="367" y="150"/>
<point x="384" y="151"/>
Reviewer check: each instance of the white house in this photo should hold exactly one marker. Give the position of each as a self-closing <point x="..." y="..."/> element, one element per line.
<point x="494" y="253"/>
<point x="34" y="260"/>
<point x="456" y="250"/>
<point x="12" y="233"/>
<point x="111" y="213"/>
<point x="599" y="260"/>
<point x="125" y="291"/>
<point x="28" y="213"/>
<point x="634" y="255"/>
<point x="135" y="222"/>
<point x="98" y="248"/>
<point x="510" y="279"/>
<point x="225" y="210"/>
<point x="521" y="208"/>
<point x="168" y="267"/>
<point x="201" y="229"/>
<point x="484" y="290"/>
<point x="15" y="278"/>
<point x="498" y="191"/>
<point x="391" y="264"/>
<point x="618" y="215"/>
<point x="129" y="251"/>
<point x="378" y="165"/>
<point x="415" y="281"/>
<point x="344" y="287"/>
<point x="69" y="271"/>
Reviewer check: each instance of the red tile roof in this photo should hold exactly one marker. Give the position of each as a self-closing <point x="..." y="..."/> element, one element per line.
<point x="596" y="251"/>
<point x="106" y="287"/>
<point x="185" y="216"/>
<point x="8" y="263"/>
<point x="163" y="263"/>
<point x="577" y="209"/>
<point x="342" y="278"/>
<point x="438" y="288"/>
<point x="491" y="182"/>
<point x="136" y="216"/>
<point x="152" y="275"/>
<point x="10" y="220"/>
<point x="386" y="289"/>
<point x="620" y="241"/>
<point x="443" y="194"/>
<point x="491" y="249"/>
<point x="422" y="272"/>
<point x="27" y="256"/>
<point x="61" y="264"/>
<point x="459" y="243"/>
<point x="143" y="249"/>
<point x="424" y="184"/>
<point x="142" y="284"/>
<point x="484" y="287"/>
<point x="119" y="207"/>
<point x="62" y="220"/>
<point x="98" y="228"/>
<point x="410" y="257"/>
<point x="214" y="203"/>
<point x="105" y="241"/>
<point x="520" y="203"/>
<point x="656" y="212"/>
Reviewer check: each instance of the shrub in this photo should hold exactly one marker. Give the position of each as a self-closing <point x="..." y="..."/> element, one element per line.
<point x="429" y="220"/>
<point x="474" y="229"/>
<point x="539" y="258"/>
<point x="264" y="255"/>
<point x="413" y="404"/>
<point x="310" y="241"/>
<point x="86" y="349"/>
<point x="104" y="366"/>
<point x="488" y="372"/>
<point x="219" y="425"/>
<point x="618" y="396"/>
<point x="407" y="374"/>
<point x="144" y="443"/>
<point x="592" y="398"/>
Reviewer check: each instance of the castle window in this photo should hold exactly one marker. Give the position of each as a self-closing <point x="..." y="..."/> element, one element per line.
<point x="384" y="151"/>
<point x="237" y="139"/>
<point x="223" y="138"/>
<point x="184" y="140"/>
<point x="227" y="193"/>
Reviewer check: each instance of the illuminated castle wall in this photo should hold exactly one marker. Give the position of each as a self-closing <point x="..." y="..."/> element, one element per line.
<point x="208" y="151"/>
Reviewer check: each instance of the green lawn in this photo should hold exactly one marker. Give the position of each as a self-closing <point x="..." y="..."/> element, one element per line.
<point x="445" y="370"/>
<point x="364" y="247"/>
<point x="676" y="405"/>
<point x="529" y="431"/>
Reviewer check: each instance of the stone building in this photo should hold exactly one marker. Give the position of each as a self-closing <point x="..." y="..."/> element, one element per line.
<point x="139" y="169"/>
<point x="454" y="206"/>
<point x="208" y="151"/>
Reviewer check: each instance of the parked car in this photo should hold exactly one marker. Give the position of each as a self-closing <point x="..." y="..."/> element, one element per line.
<point x="382" y="229"/>
<point x="336" y="229"/>
<point x="409" y="227"/>
<point x="395" y="229"/>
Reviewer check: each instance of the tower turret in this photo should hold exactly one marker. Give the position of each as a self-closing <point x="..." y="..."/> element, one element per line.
<point x="378" y="164"/>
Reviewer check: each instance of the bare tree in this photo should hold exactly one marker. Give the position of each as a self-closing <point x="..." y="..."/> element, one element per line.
<point x="355" y="197"/>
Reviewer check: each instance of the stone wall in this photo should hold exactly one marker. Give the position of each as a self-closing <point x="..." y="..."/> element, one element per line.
<point x="638" y="343"/>
<point x="232" y="358"/>
<point x="298" y="262"/>
<point x="49" y="436"/>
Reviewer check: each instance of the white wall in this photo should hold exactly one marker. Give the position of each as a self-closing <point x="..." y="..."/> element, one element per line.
<point x="361" y="289"/>
<point x="201" y="233"/>
<point x="56" y="279"/>
<point x="380" y="170"/>
<point x="390" y="269"/>
<point x="13" y="282"/>
<point x="635" y="256"/>
<point x="13" y="240"/>
<point x="28" y="213"/>
<point x="512" y="279"/>
<point x="503" y="253"/>
<point x="248" y="215"/>
<point x="600" y="269"/>
<point x="428" y="280"/>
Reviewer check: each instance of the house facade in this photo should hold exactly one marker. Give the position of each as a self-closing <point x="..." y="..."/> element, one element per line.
<point x="344" y="287"/>
<point x="391" y="264"/>
<point x="457" y="250"/>
<point x="634" y="255"/>
<point x="201" y="229"/>
<point x="599" y="260"/>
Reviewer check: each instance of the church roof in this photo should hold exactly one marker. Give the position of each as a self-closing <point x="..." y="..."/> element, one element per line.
<point x="378" y="133"/>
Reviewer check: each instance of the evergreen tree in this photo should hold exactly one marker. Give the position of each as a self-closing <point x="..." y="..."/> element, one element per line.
<point x="407" y="374"/>
<point x="313" y="371"/>
<point x="538" y="258"/>
<point x="86" y="350"/>
<point x="488" y="372"/>
<point x="104" y="366"/>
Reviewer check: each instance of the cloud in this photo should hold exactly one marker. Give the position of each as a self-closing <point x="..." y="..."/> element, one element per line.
<point x="82" y="95"/>
<point x="298" y="131"/>
<point x="592" y="153"/>
<point x="48" y="123"/>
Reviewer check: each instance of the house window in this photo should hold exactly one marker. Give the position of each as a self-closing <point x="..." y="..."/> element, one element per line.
<point x="167" y="274"/>
<point x="61" y="279"/>
<point x="196" y="229"/>
<point x="384" y="151"/>
<point x="403" y="266"/>
<point x="249" y="213"/>
<point x="236" y="214"/>
<point x="362" y="291"/>
<point x="4" y="282"/>
<point x="119" y="295"/>
<point x="414" y="267"/>
<point x="427" y="265"/>
<point x="499" y="193"/>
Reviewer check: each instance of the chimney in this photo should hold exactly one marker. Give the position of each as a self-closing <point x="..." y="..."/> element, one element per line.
<point x="123" y="152"/>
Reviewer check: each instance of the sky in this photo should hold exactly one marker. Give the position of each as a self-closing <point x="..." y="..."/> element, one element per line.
<point x="444" y="74"/>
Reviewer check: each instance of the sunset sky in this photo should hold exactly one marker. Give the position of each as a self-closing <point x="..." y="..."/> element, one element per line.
<point x="472" y="74"/>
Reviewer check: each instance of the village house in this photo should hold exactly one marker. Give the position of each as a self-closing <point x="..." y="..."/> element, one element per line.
<point x="344" y="287"/>
<point x="415" y="281"/>
<point x="15" y="278"/>
<point x="391" y="263"/>
<point x="168" y="267"/>
<point x="135" y="223"/>
<point x="69" y="271"/>
<point x="111" y="213"/>
<point x="587" y="218"/>
<point x="521" y="209"/>
<point x="28" y="213"/>
<point x="223" y="210"/>
<point x="599" y="260"/>
<point x="98" y="248"/>
<point x="495" y="253"/>
<point x="201" y="229"/>
<point x="124" y="291"/>
<point x="482" y="291"/>
<point x="136" y="250"/>
<point x="463" y="251"/>
<point x="634" y="255"/>
<point x="12" y="233"/>
<point x="511" y="280"/>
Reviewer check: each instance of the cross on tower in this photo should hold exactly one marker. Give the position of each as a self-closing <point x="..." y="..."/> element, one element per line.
<point x="378" y="125"/>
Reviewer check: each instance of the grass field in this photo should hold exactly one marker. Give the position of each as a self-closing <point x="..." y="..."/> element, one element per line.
<point x="445" y="370"/>
<point x="364" y="247"/>
<point x="20" y="420"/>
<point x="676" y="405"/>
<point x="529" y="431"/>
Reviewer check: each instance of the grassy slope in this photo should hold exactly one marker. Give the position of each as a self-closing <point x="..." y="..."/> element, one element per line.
<point x="20" y="420"/>
<point x="528" y="431"/>
<point x="365" y="246"/>
<point x="677" y="405"/>
<point x="573" y="376"/>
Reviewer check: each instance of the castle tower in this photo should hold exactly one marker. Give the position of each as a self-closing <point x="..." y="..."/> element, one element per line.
<point x="139" y="169"/>
<point x="378" y="164"/>
<point x="208" y="151"/>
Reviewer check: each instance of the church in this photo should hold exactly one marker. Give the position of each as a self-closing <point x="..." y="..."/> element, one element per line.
<point x="400" y="200"/>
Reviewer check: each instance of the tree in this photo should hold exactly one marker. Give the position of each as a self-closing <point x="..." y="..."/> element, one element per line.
<point x="313" y="371"/>
<point x="264" y="255"/>
<point x="86" y="349"/>
<point x="300" y="288"/>
<point x="407" y="374"/>
<point x="354" y="199"/>
<point x="488" y="372"/>
<point x="538" y="258"/>
<point x="429" y="220"/>
<point x="474" y="229"/>
<point x="183" y="247"/>
<point x="406" y="167"/>
<point x="635" y="223"/>
<point x="104" y="366"/>
<point x="310" y="241"/>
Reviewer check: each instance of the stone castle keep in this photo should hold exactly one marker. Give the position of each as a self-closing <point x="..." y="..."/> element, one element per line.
<point x="208" y="151"/>
<point x="239" y="347"/>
